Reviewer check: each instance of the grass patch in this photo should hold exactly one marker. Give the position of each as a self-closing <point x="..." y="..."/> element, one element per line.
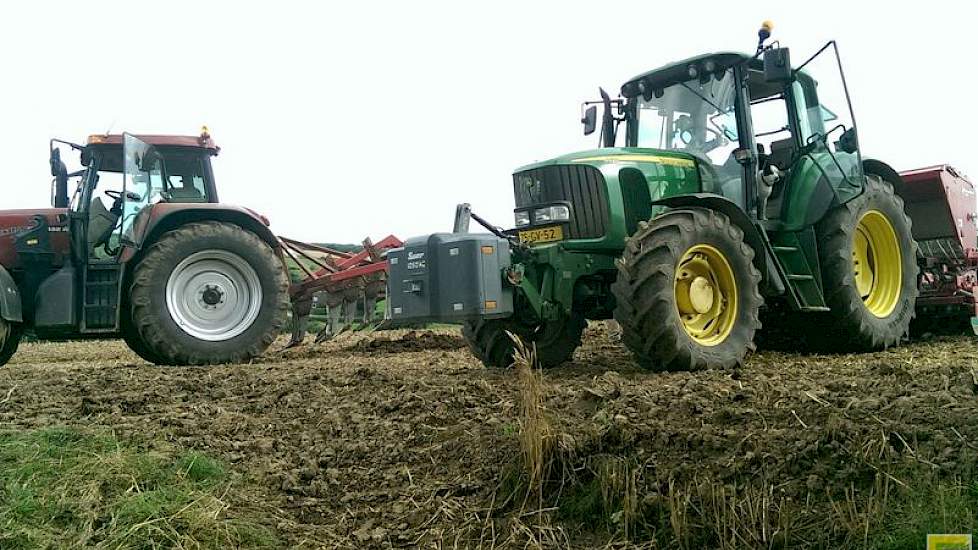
<point x="65" y="488"/>
<point x="709" y="514"/>
<point x="929" y="506"/>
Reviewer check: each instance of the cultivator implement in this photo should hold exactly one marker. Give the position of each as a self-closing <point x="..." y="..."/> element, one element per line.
<point x="343" y="281"/>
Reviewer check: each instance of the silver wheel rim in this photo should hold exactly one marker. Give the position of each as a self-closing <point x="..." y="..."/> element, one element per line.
<point x="213" y="295"/>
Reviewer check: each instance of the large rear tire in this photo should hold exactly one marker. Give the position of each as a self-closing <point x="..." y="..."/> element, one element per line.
<point x="869" y="270"/>
<point x="10" y="335"/>
<point x="687" y="292"/>
<point x="207" y="293"/>
<point x="135" y="342"/>
<point x="555" y="341"/>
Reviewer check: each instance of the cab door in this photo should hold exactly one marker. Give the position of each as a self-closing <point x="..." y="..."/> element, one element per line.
<point x="827" y="167"/>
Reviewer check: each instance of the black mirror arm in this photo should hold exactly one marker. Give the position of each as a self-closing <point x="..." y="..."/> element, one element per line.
<point x="607" y="121"/>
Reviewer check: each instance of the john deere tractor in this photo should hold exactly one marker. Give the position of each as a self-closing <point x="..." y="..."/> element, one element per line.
<point x="142" y="250"/>
<point x="727" y="183"/>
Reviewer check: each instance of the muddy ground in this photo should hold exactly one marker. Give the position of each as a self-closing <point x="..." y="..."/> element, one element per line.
<point x="402" y="439"/>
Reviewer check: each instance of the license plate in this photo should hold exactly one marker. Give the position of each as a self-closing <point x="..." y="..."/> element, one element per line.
<point x="542" y="235"/>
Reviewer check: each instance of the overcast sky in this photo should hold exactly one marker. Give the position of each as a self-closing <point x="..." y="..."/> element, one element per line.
<point x="340" y="120"/>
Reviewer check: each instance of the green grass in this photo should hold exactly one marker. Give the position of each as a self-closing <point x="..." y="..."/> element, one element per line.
<point x="882" y="517"/>
<point x="930" y="506"/>
<point x="65" y="488"/>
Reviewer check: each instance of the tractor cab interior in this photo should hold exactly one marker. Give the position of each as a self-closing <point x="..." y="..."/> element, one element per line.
<point x="776" y="144"/>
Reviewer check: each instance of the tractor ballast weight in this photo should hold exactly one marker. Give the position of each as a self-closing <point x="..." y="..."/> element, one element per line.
<point x="450" y="278"/>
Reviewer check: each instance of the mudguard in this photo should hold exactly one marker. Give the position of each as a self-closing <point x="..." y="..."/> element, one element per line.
<point x="770" y="279"/>
<point x="885" y="171"/>
<point x="162" y="217"/>
<point x="10" y="305"/>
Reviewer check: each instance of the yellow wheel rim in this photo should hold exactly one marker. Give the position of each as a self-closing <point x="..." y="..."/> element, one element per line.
<point x="876" y="263"/>
<point x="706" y="295"/>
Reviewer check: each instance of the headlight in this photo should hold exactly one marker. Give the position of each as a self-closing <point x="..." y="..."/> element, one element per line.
<point x="556" y="213"/>
<point x="522" y="218"/>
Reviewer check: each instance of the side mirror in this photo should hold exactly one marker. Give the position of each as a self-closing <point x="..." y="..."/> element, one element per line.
<point x="777" y="65"/>
<point x="59" y="187"/>
<point x="848" y="142"/>
<point x="590" y="120"/>
<point x="55" y="162"/>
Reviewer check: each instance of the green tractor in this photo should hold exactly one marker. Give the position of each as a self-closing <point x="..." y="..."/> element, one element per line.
<point x="727" y="184"/>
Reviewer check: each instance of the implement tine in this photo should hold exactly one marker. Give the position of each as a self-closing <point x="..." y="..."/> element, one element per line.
<point x="298" y="331"/>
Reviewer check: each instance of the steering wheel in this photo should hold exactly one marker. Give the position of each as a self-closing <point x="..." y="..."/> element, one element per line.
<point x="117" y="195"/>
<point x="718" y="139"/>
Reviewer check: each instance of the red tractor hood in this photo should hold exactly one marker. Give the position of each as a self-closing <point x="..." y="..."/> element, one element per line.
<point x="13" y="222"/>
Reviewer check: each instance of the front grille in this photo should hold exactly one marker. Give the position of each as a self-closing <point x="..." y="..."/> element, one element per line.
<point x="581" y="185"/>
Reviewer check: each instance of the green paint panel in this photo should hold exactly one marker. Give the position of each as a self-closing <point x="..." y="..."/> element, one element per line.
<point x="843" y="176"/>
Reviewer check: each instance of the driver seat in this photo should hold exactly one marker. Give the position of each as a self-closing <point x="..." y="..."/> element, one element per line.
<point x="101" y="222"/>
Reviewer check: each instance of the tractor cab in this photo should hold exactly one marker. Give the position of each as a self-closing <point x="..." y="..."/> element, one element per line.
<point x="756" y="127"/>
<point x="122" y="174"/>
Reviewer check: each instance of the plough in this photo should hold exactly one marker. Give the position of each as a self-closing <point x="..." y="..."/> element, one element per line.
<point x="343" y="279"/>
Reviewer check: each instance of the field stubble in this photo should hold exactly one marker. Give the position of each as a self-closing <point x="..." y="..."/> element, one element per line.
<point x="403" y="439"/>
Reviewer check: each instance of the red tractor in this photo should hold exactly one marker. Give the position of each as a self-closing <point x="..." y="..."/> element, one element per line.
<point x="142" y="249"/>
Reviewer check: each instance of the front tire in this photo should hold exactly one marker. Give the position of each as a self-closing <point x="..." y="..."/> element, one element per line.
<point x="207" y="293"/>
<point x="869" y="269"/>
<point x="555" y="341"/>
<point x="687" y="292"/>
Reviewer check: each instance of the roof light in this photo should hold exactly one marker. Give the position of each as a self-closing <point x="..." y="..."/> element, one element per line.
<point x="764" y="33"/>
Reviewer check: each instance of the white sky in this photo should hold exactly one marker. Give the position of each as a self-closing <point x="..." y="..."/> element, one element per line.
<point x="340" y="120"/>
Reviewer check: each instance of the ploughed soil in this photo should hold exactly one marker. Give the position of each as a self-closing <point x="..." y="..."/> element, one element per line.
<point x="402" y="439"/>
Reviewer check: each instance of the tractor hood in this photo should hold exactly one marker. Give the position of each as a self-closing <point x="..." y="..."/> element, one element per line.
<point x="13" y="222"/>
<point x="628" y="156"/>
<point x="607" y="190"/>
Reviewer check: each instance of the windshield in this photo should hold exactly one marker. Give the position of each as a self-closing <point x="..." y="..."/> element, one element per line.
<point x="693" y="116"/>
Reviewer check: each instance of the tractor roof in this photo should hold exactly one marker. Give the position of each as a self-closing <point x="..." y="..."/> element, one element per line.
<point x="679" y="71"/>
<point x="202" y="141"/>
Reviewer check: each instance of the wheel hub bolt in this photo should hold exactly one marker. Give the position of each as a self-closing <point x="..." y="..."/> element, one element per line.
<point x="212" y="296"/>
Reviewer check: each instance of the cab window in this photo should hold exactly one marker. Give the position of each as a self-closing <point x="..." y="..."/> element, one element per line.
<point x="185" y="177"/>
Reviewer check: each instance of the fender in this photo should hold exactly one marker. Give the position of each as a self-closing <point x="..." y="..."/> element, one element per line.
<point x="770" y="278"/>
<point x="166" y="216"/>
<point x="885" y="171"/>
<point x="10" y="305"/>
